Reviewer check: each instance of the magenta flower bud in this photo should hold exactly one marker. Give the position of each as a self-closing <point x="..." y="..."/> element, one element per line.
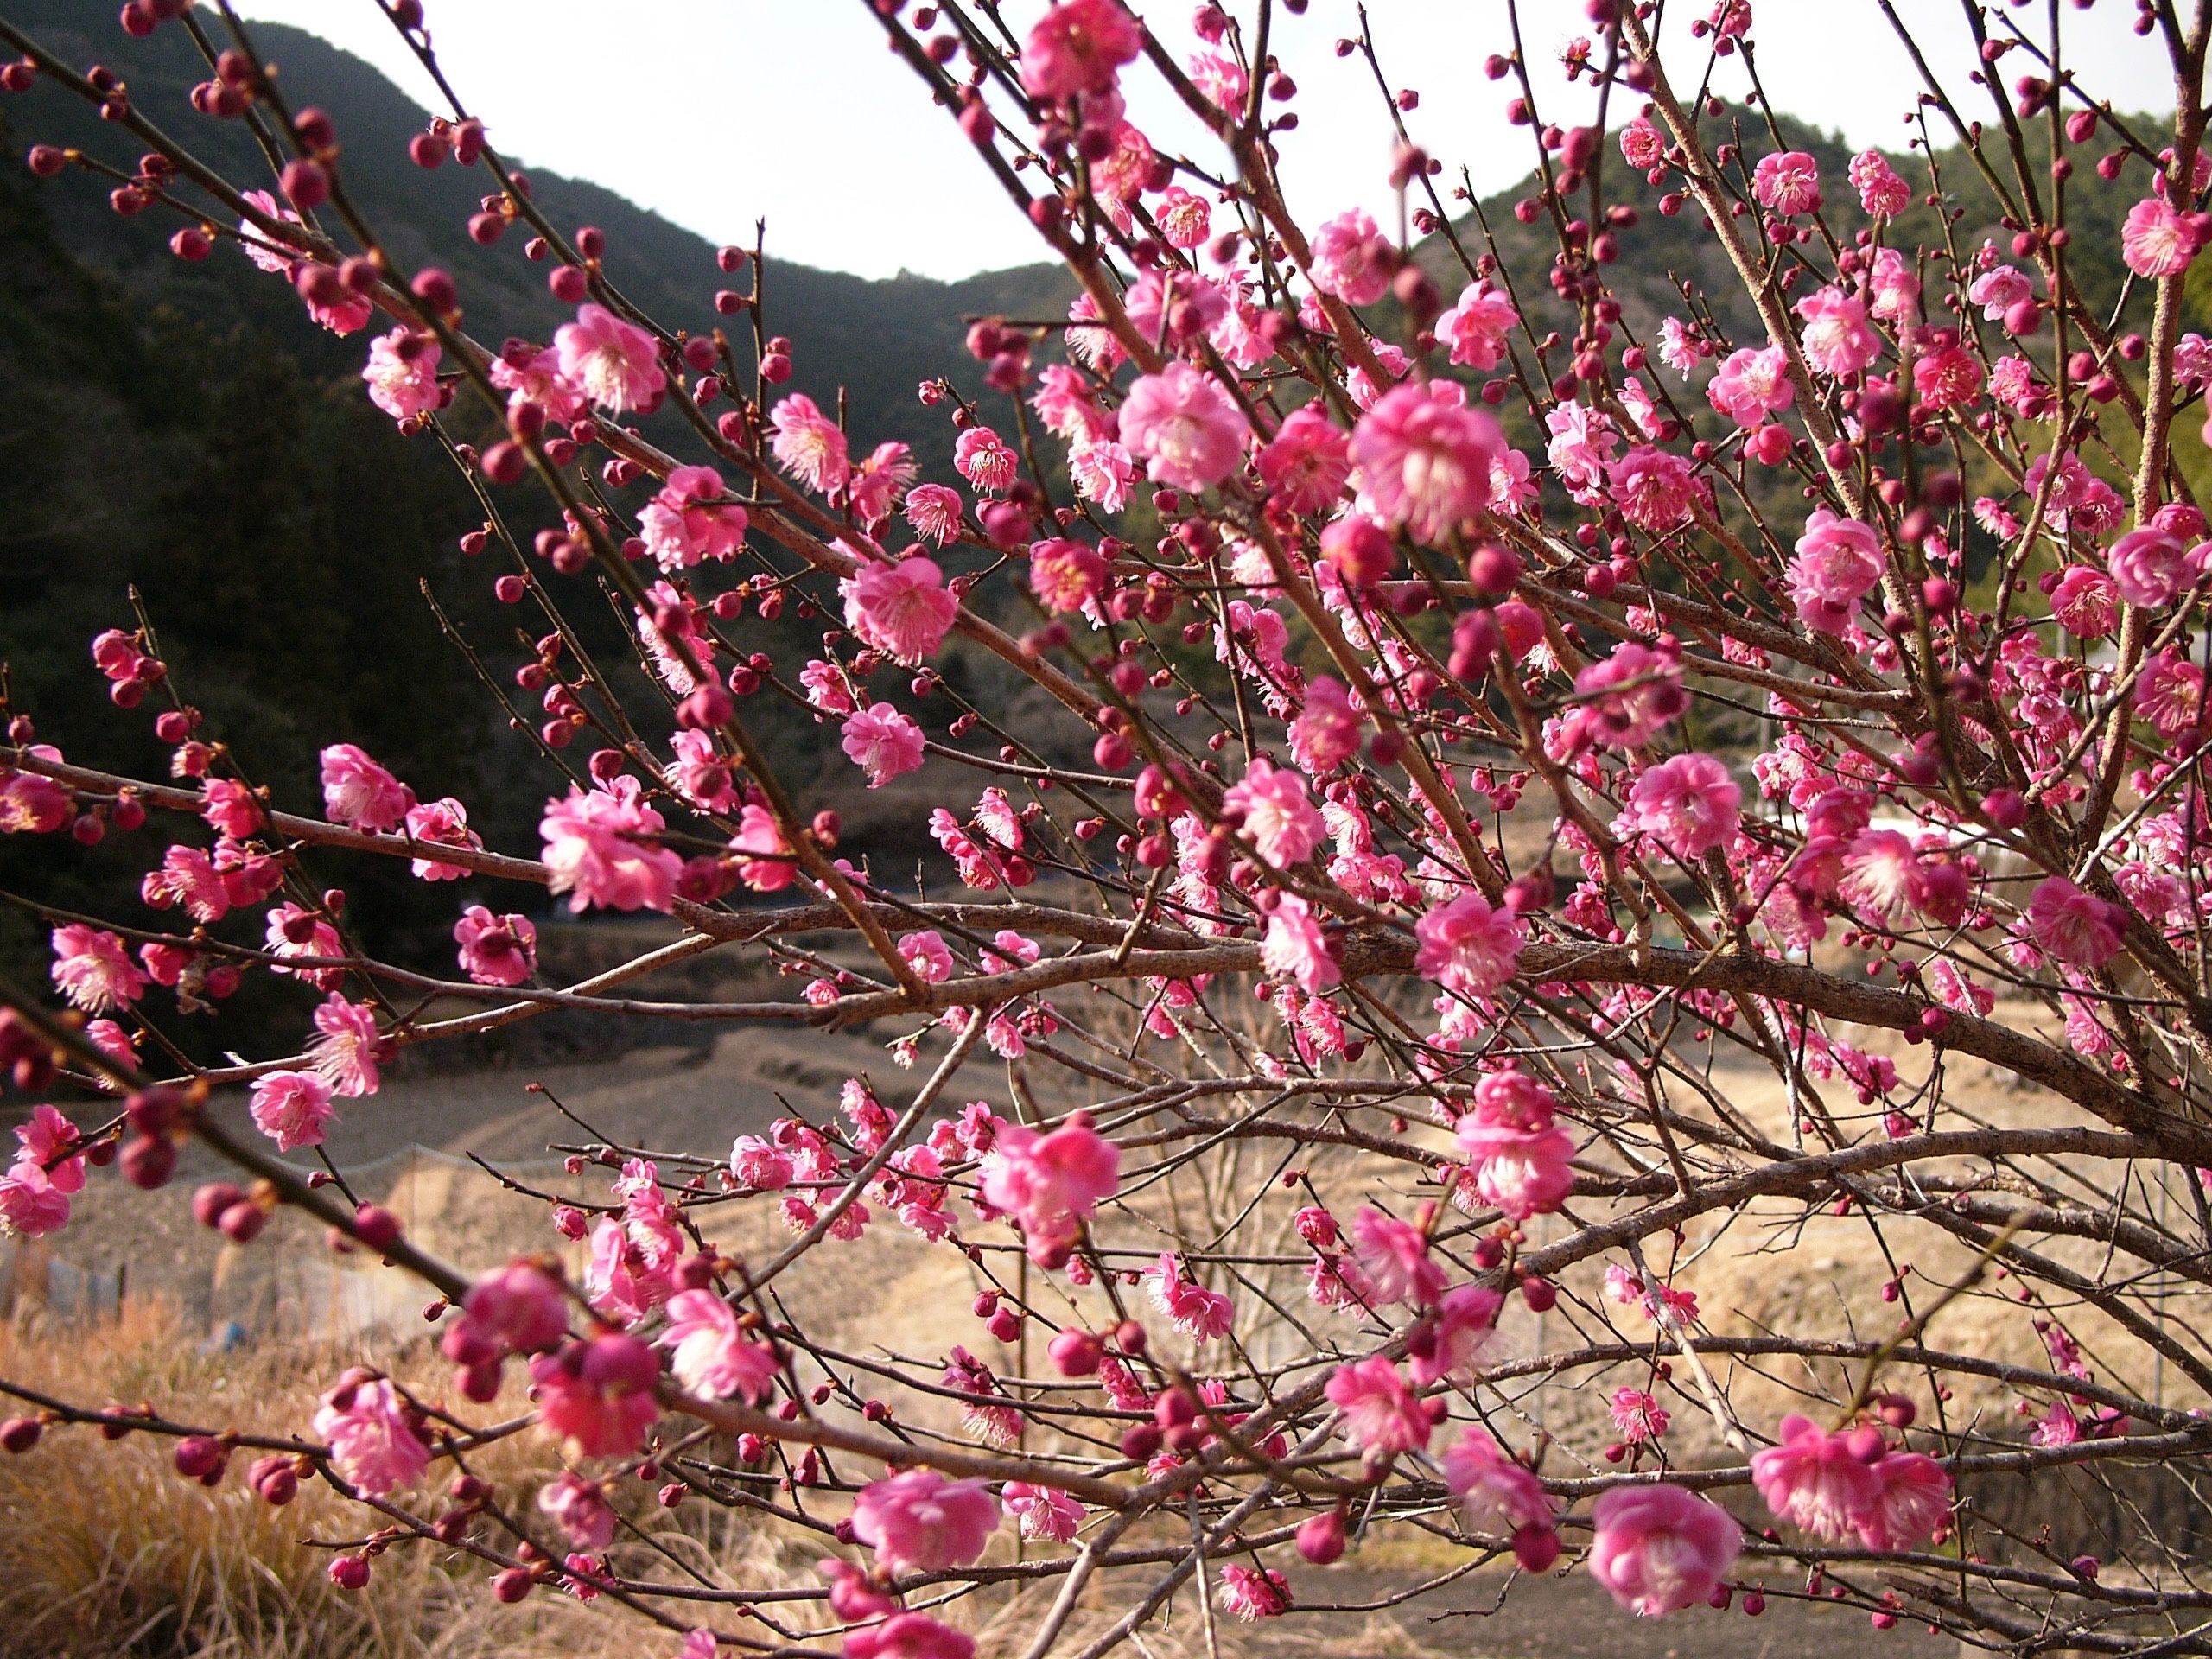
<point x="1321" y="1540"/>
<point x="201" y="1458"/>
<point x="306" y="184"/>
<point x="1076" y="1353"/>
<point x="241" y="1222"/>
<point x="350" y="1572"/>
<point x="512" y="1585"/>
<point x="376" y="1227"/>
<point x="568" y="283"/>
<point x="148" y="1161"/>
<point x="1538" y="1295"/>
<point x="210" y="1200"/>
<point x="427" y="151"/>
<point x="20" y="1435"/>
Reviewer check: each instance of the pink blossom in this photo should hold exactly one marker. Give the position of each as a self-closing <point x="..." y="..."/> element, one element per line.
<point x="883" y="743"/>
<point x="903" y="609"/>
<point x="31" y="805"/>
<point x="1839" y="562"/>
<point x="927" y="954"/>
<point x="980" y="456"/>
<point x="1197" y="1312"/>
<point x="1326" y="733"/>
<point x="372" y="1442"/>
<point x="50" y="1141"/>
<point x="1881" y="193"/>
<point x="1078" y="48"/>
<point x="1269" y="805"/>
<point x="1425" y="459"/>
<point x="292" y="931"/>
<point x="1296" y="948"/>
<point x="2149" y="566"/>
<point x="1045" y="1513"/>
<point x="1308" y="463"/>
<point x="1752" y="384"/>
<point x="615" y="364"/>
<point x="1836" y="338"/>
<point x="1352" y="259"/>
<point x="1186" y="430"/>
<point x="291" y="1108"/>
<point x="809" y="445"/>
<point x="709" y="1355"/>
<point x="1453" y="1342"/>
<point x="1381" y="1416"/>
<point x="2078" y="928"/>
<point x="442" y="823"/>
<point x="1637" y="1416"/>
<point x="1912" y="1503"/>
<point x="1467" y="947"/>
<point x="919" y="1521"/>
<point x="680" y="529"/>
<point x="934" y="511"/>
<point x="909" y="1636"/>
<point x="2156" y="240"/>
<point x="598" y="849"/>
<point x="598" y="1396"/>
<point x="1478" y="326"/>
<point x="1948" y="377"/>
<point x="1497" y="1495"/>
<point x="230" y="808"/>
<point x="1655" y="489"/>
<point x="357" y="792"/>
<point x="496" y="950"/>
<point x="347" y="1047"/>
<point x="187" y="877"/>
<point x="536" y="379"/>
<point x="403" y="373"/>
<point x="876" y="486"/>
<point x="1788" y="182"/>
<point x="517" y="1309"/>
<point x="760" y="1165"/>
<point x="1649" y="698"/>
<point x="1659" y="1549"/>
<point x="1067" y="576"/>
<point x="31" y="1205"/>
<point x="2086" y="601"/>
<point x="1688" y="805"/>
<point x="1521" y="1161"/>
<point x="580" y="1508"/>
<point x="1394" y="1255"/>
<point x="1816" y="1480"/>
<point x="1642" y="145"/>
<point x="1253" y="1592"/>
<point x="1049" y="1182"/>
<point x="93" y="970"/>
<point x="765" y="860"/>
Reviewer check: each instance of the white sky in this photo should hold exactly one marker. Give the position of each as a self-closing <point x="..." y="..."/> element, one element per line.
<point x="717" y="113"/>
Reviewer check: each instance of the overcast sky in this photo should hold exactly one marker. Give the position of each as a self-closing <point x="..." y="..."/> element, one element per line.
<point x="718" y="113"/>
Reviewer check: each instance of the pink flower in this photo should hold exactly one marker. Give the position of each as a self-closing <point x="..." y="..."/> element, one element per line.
<point x="580" y="1508"/>
<point x="93" y="970"/>
<point x="1067" y="576"/>
<point x="1637" y="1416"/>
<point x="1650" y="698"/>
<point x="403" y="373"/>
<point x="1948" y="377"/>
<point x="1394" y="1255"/>
<point x="1816" y="1480"/>
<point x="517" y="1309"/>
<point x="980" y="456"/>
<point x="292" y="931"/>
<point x="765" y="861"/>
<point x="442" y="823"/>
<point x="31" y="1204"/>
<point x="1296" y="948"/>
<point x="760" y="1165"/>
<point x="1101" y="471"/>
<point x="1045" y="1513"/>
<point x="1199" y="1312"/>
<point x="1642" y="145"/>
<point x="2078" y="928"/>
<point x="2157" y="241"/>
<point x="372" y="1443"/>
<point x="1048" y="1182"/>
<point x="883" y="743"/>
<point x="707" y="1352"/>
<point x="909" y="1636"/>
<point x="1425" y="460"/>
<point x="1381" y="1414"/>
<point x="1269" y="805"/>
<point x="291" y="1108"/>
<point x="928" y="955"/>
<point x="1752" y="385"/>
<point x="597" y="849"/>
<point x="1308" y="463"/>
<point x="536" y="379"/>
<point x="934" y="511"/>
<point x="903" y="609"/>
<point x="1520" y="1159"/>
<point x="1450" y="1344"/>
<point x="878" y="483"/>
<point x="919" y="1521"/>
<point x="1468" y="948"/>
<point x="1837" y="337"/>
<point x="1186" y="430"/>
<point x="347" y="1047"/>
<point x="1498" y="1496"/>
<point x="496" y="950"/>
<point x="48" y="1141"/>
<point x="1478" y="326"/>
<point x="809" y="445"/>
<point x="1788" y="182"/>
<point x="357" y="792"/>
<point x="2086" y="601"/>
<point x="598" y="1396"/>
<point x="1078" y="47"/>
<point x="1326" y="732"/>
<point x="614" y="364"/>
<point x="1659" y="1549"/>
<point x="187" y="877"/>
<point x="1253" y="1592"/>
<point x="230" y="808"/>
<point x="1881" y="193"/>
<point x="1352" y="259"/>
<point x="1912" y="1503"/>
<point x="679" y="530"/>
<point x="1688" y="805"/>
<point x="1839" y="562"/>
<point x="31" y="805"/>
<point x="1655" y="489"/>
<point x="2148" y="567"/>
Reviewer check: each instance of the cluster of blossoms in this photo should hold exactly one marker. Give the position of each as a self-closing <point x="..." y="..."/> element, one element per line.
<point x="1437" y="722"/>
